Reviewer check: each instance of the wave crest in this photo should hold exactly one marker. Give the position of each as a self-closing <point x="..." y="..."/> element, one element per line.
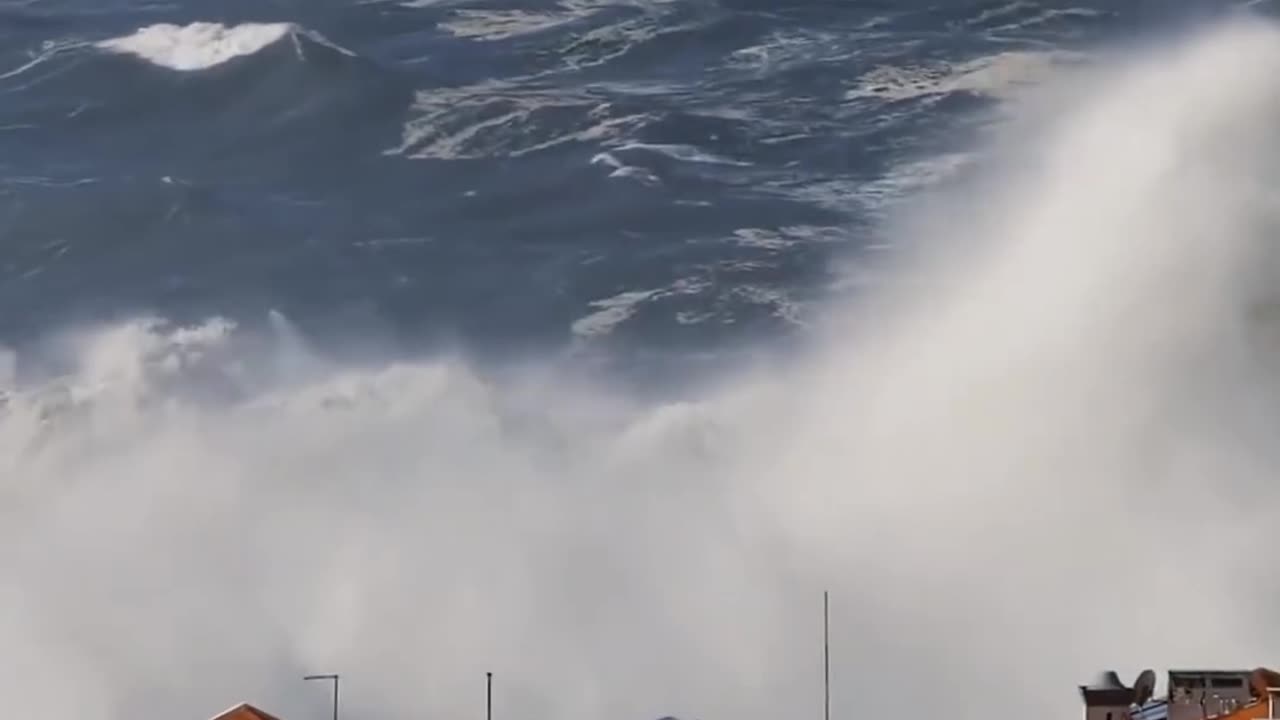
<point x="202" y="45"/>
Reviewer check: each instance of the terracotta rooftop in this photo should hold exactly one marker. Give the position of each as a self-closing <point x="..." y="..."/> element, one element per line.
<point x="244" y="711"/>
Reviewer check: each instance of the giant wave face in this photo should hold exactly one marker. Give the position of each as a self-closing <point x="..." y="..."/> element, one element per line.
<point x="1050" y="451"/>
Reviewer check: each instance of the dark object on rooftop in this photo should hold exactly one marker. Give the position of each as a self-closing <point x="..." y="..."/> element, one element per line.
<point x="1144" y="687"/>
<point x="1108" y="690"/>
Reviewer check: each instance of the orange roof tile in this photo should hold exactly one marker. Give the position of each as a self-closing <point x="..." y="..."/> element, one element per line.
<point x="244" y="711"/>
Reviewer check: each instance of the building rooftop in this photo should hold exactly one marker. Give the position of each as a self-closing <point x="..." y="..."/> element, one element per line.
<point x="244" y="711"/>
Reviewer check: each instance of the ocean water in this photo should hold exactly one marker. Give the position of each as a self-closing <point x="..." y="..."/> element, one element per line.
<point x="588" y="342"/>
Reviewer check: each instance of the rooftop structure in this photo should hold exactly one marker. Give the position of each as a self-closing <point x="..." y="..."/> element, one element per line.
<point x="244" y="711"/>
<point x="1192" y="695"/>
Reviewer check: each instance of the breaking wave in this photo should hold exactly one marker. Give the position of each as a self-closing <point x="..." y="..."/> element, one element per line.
<point x="202" y="45"/>
<point x="982" y="465"/>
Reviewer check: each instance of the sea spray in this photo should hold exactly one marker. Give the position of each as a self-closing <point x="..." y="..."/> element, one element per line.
<point x="1053" y="453"/>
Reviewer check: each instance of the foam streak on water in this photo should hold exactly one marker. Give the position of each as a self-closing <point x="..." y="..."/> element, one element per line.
<point x="1055" y="455"/>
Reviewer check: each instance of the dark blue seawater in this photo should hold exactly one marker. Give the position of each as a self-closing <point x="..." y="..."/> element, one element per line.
<point x="622" y="177"/>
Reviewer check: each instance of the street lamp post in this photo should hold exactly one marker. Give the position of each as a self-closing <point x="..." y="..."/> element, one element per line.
<point x="826" y="657"/>
<point x="334" y="678"/>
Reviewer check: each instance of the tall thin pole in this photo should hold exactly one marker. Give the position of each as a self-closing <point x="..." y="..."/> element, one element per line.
<point x="334" y="678"/>
<point x="826" y="656"/>
<point x="488" y="696"/>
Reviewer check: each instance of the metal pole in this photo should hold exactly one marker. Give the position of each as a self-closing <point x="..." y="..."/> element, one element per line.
<point x="488" y="691"/>
<point x="826" y="656"/>
<point x="334" y="678"/>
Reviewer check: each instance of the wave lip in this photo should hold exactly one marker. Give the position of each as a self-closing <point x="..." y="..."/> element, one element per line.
<point x="203" y="45"/>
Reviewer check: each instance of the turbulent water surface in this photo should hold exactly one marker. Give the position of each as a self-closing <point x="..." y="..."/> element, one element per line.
<point x="588" y="342"/>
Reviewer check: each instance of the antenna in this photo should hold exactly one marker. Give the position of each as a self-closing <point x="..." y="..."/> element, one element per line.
<point x="488" y="692"/>
<point x="826" y="656"/>
<point x="1144" y="687"/>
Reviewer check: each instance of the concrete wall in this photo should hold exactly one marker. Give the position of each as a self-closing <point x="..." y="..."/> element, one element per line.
<point x="1222" y="708"/>
<point x="1103" y="712"/>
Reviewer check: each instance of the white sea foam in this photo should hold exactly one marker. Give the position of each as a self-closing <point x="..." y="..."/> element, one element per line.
<point x="908" y="178"/>
<point x="48" y="51"/>
<point x="786" y="48"/>
<point x="1052" y="447"/>
<point x="999" y="75"/>
<point x="610" y="312"/>
<point x="1001" y="11"/>
<point x="614" y="310"/>
<point x="496" y="120"/>
<point x="202" y="45"/>
<point x="621" y="170"/>
<point x="503" y="24"/>
<point x="685" y="153"/>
